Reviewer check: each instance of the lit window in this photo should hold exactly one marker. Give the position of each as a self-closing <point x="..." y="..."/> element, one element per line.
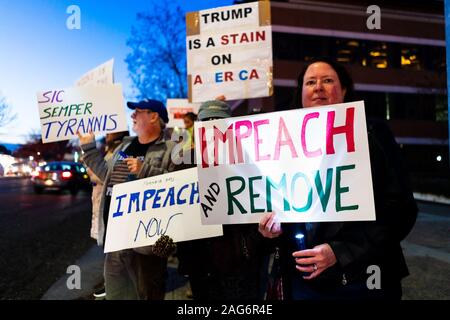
<point x="410" y="59"/>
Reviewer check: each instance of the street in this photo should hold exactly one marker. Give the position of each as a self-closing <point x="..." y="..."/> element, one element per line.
<point x="40" y="235"/>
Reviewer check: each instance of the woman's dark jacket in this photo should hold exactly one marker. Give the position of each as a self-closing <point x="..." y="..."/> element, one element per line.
<point x="357" y="245"/>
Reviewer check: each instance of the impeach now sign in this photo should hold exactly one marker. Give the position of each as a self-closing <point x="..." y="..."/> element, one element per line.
<point x="64" y="112"/>
<point x="143" y="210"/>
<point x="308" y="165"/>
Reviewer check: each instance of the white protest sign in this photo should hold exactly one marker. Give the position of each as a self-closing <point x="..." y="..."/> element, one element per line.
<point x="177" y="108"/>
<point x="229" y="52"/>
<point x="143" y="210"/>
<point x="99" y="76"/>
<point x="63" y="112"/>
<point x="308" y="165"/>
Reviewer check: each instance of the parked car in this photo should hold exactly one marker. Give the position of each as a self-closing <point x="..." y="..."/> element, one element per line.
<point x="19" y="169"/>
<point x="61" y="175"/>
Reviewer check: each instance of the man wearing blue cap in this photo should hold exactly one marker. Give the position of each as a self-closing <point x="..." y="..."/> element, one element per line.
<point x="134" y="273"/>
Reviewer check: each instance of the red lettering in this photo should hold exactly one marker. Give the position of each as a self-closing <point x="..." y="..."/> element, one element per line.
<point x="224" y="39"/>
<point x="347" y="129"/>
<point x="198" y="79"/>
<point x="261" y="35"/>
<point x="244" y="38"/>
<point x="254" y="74"/>
<point x="203" y="147"/>
<point x="224" y="137"/>
<point x="228" y="76"/>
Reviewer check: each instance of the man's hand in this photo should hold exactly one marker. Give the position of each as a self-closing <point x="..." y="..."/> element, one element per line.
<point x="134" y="165"/>
<point x="269" y="226"/>
<point x="86" y="138"/>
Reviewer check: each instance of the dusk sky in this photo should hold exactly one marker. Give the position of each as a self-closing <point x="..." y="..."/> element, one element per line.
<point x="38" y="52"/>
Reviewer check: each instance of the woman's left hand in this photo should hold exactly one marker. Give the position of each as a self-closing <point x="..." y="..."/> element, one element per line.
<point x="315" y="260"/>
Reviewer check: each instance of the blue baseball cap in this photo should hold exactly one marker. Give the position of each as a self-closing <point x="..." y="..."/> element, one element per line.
<point x="153" y="105"/>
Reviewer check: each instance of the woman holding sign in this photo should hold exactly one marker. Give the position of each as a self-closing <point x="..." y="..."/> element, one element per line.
<point x="226" y="267"/>
<point x="348" y="260"/>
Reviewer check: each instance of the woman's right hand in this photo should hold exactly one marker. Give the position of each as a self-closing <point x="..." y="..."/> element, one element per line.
<point x="269" y="226"/>
<point x="86" y="138"/>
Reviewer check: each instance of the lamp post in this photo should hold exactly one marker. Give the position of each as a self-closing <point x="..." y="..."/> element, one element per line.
<point x="447" y="36"/>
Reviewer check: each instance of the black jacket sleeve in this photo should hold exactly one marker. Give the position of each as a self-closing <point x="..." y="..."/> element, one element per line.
<point x="396" y="210"/>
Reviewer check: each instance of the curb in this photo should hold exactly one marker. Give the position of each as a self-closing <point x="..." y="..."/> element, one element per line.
<point x="91" y="274"/>
<point x="431" y="198"/>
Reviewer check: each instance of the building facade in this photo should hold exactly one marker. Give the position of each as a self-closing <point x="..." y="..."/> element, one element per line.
<point x="399" y="69"/>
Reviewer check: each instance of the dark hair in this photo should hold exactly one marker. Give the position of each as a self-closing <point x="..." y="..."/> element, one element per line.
<point x="192" y="116"/>
<point x="344" y="78"/>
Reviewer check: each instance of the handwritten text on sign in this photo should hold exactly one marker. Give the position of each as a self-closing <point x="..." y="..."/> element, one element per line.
<point x="143" y="210"/>
<point x="63" y="112"/>
<point x="307" y="164"/>
<point x="229" y="52"/>
<point x="99" y="76"/>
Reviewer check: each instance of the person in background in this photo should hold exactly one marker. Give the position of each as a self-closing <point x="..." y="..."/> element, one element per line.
<point x="338" y="254"/>
<point x="189" y="119"/>
<point x="138" y="273"/>
<point x="112" y="140"/>
<point x="226" y="267"/>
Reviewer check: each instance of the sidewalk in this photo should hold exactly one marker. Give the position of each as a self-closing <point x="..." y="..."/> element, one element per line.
<point x="427" y="251"/>
<point x="431" y="198"/>
<point x="91" y="267"/>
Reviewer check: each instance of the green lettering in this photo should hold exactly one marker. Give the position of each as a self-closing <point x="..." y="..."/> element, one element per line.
<point x="283" y="186"/>
<point x="63" y="109"/>
<point x="55" y="110"/>
<point x="253" y="196"/>
<point x="87" y="109"/>
<point x="309" y="202"/>
<point x="230" y="195"/>
<point x="47" y="111"/>
<point x="79" y="109"/>
<point x="324" y="195"/>
<point x="340" y="190"/>
<point x="73" y="107"/>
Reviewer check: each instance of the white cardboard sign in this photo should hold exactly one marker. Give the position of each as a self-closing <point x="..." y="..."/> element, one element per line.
<point x="99" y="76"/>
<point x="229" y="52"/>
<point x="308" y="165"/>
<point x="63" y="112"/>
<point x="177" y="108"/>
<point x="143" y="210"/>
